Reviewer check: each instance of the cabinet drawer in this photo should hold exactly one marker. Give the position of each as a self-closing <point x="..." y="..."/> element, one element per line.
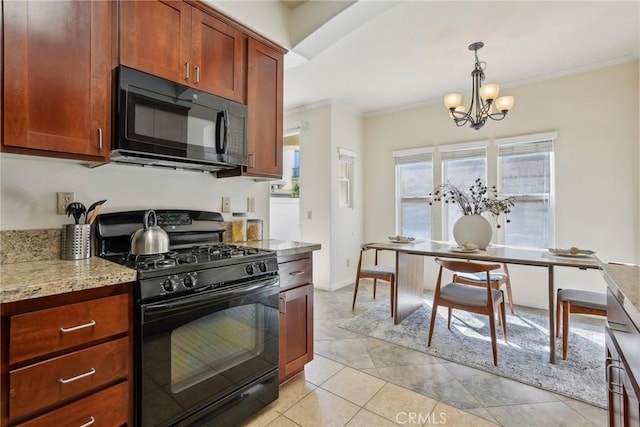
<point x="295" y="273"/>
<point x="108" y="407"/>
<point x="47" y="331"/>
<point x="46" y="383"/>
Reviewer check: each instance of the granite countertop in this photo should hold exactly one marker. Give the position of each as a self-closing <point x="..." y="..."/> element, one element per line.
<point x="624" y="282"/>
<point x="283" y="247"/>
<point x="24" y="280"/>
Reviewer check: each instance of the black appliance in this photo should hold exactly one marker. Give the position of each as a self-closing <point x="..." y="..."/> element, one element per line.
<point x="206" y="321"/>
<point x="162" y="123"/>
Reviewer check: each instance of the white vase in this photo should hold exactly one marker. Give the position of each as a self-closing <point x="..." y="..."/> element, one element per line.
<point x="473" y="229"/>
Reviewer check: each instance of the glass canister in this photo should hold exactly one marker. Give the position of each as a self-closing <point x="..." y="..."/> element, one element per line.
<point x="254" y="229"/>
<point x="239" y="227"/>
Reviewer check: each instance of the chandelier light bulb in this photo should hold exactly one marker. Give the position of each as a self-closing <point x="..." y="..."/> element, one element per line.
<point x="504" y="103"/>
<point x="452" y="100"/>
<point x="489" y="91"/>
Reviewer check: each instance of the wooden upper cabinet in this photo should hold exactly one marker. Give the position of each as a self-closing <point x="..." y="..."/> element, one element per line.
<point x="183" y="44"/>
<point x="57" y="78"/>
<point x="155" y="37"/>
<point x="218" y="55"/>
<point x="264" y="100"/>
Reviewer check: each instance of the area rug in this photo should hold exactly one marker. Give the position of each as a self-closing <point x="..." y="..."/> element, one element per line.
<point x="524" y="358"/>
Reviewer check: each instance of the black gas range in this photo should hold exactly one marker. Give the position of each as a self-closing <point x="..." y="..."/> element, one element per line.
<point x="206" y="320"/>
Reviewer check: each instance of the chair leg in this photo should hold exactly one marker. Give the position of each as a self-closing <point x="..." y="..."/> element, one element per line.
<point x="432" y="323"/>
<point x="494" y="341"/>
<point x="511" y="305"/>
<point x="565" y="328"/>
<point x="355" y="293"/>
<point x="558" y="316"/>
<point x="375" y="285"/>
<point x="503" y="312"/>
<point x="449" y="318"/>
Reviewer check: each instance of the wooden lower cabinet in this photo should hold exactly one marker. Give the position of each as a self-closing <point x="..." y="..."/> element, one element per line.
<point x="296" y="315"/>
<point x="67" y="359"/>
<point x="622" y="339"/>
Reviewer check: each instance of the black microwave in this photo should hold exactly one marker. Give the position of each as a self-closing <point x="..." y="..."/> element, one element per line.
<point x="159" y="122"/>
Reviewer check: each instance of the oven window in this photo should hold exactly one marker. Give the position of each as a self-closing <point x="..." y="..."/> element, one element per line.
<point x="213" y="344"/>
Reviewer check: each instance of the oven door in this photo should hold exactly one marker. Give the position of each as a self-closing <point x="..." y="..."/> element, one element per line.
<point x="205" y="352"/>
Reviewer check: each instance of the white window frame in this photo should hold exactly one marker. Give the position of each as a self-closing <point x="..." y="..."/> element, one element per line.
<point x="525" y="143"/>
<point x="409" y="156"/>
<point x="346" y="165"/>
<point x="492" y="148"/>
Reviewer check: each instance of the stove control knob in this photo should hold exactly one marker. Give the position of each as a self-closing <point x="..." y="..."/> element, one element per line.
<point x="249" y="269"/>
<point x="262" y="266"/>
<point x="170" y="285"/>
<point x="190" y="281"/>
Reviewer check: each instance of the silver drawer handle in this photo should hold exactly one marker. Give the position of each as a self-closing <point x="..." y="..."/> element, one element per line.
<point x="297" y="273"/>
<point x="77" y="377"/>
<point x="87" y="424"/>
<point x="75" y="328"/>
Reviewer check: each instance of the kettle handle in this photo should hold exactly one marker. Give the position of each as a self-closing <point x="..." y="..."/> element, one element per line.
<point x="147" y="217"/>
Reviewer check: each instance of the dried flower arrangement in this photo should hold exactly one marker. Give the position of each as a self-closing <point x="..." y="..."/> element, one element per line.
<point x="477" y="200"/>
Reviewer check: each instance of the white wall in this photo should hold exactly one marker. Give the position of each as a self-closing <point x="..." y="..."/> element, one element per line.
<point x="28" y="187"/>
<point x="596" y="117"/>
<point x="338" y="230"/>
<point x="346" y="223"/>
<point x="315" y="187"/>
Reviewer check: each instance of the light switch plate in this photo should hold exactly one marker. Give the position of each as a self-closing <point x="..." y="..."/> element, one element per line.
<point x="251" y="204"/>
<point x="226" y="204"/>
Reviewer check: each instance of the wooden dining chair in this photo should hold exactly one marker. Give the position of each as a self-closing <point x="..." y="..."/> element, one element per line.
<point x="498" y="278"/>
<point x="576" y="301"/>
<point x="376" y="272"/>
<point x="469" y="298"/>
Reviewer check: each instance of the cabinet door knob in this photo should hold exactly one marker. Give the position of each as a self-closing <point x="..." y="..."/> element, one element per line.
<point x="297" y="273"/>
<point x="197" y="74"/>
<point x="100" y="138"/>
<point x="186" y="71"/>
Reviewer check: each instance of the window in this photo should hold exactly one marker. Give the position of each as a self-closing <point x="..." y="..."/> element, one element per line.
<point x="524" y="171"/>
<point x="461" y="167"/>
<point x="520" y="167"/>
<point x="346" y="160"/>
<point x="414" y="178"/>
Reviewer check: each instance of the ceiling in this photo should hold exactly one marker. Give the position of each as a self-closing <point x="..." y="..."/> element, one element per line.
<point x="380" y="56"/>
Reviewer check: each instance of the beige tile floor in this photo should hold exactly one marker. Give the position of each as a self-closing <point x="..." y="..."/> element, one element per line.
<point x="360" y="381"/>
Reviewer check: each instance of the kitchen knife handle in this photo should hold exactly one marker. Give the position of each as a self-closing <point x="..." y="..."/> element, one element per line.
<point x="100" y="138"/>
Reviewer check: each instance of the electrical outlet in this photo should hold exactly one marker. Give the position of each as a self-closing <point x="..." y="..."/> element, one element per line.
<point x="63" y="200"/>
<point x="226" y="204"/>
<point x="309" y="215"/>
<point x="251" y="204"/>
<point x="348" y="262"/>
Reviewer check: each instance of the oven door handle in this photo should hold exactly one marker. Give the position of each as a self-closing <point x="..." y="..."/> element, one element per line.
<point x="207" y="297"/>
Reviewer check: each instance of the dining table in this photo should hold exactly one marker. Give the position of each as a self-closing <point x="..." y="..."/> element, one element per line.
<point x="410" y="264"/>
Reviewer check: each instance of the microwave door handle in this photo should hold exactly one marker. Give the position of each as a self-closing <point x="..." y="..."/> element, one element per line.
<point x="225" y="141"/>
<point x="219" y="136"/>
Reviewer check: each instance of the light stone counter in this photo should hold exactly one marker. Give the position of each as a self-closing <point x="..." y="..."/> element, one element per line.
<point x="283" y="247"/>
<point x="24" y="280"/>
<point x="624" y="282"/>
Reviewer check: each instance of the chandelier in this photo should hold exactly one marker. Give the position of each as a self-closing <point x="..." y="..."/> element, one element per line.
<point x="484" y="98"/>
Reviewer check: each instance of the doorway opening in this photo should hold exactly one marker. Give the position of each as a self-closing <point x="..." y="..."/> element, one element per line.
<point x="284" y="201"/>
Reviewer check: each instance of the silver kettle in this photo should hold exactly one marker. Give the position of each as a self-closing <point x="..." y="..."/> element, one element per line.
<point x="151" y="239"/>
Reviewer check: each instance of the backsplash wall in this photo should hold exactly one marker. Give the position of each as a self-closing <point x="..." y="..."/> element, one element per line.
<point x="28" y="187"/>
